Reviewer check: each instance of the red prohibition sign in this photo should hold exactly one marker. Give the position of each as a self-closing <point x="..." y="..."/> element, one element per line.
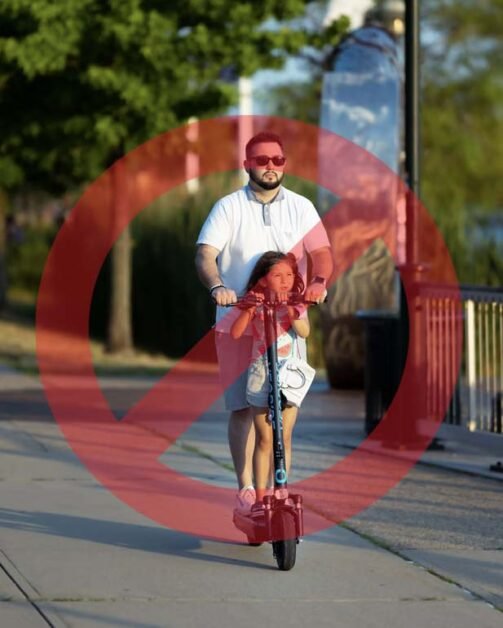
<point x="124" y="455"/>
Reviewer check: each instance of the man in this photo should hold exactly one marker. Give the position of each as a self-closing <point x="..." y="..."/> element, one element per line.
<point x="259" y="217"/>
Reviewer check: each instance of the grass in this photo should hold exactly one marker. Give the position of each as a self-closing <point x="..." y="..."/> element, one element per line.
<point x="18" y="342"/>
<point x="17" y="345"/>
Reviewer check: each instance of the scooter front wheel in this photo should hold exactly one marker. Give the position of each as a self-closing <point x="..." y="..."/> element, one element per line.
<point x="285" y="547"/>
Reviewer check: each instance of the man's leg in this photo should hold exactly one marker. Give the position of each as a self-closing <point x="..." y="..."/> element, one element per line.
<point x="234" y="358"/>
<point x="241" y="432"/>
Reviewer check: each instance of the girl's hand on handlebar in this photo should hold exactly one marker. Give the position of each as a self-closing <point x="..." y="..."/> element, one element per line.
<point x="282" y="297"/>
<point x="250" y="301"/>
<point x="224" y="296"/>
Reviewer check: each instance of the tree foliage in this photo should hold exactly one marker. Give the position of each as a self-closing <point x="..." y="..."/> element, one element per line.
<point x="83" y="81"/>
<point x="462" y="124"/>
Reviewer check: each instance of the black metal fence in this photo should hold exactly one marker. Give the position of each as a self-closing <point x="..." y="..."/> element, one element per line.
<point x="477" y="383"/>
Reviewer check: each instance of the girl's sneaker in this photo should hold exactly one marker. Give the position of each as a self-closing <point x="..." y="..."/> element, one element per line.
<point x="245" y="499"/>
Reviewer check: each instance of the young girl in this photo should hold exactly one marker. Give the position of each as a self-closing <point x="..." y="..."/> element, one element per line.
<point x="277" y="272"/>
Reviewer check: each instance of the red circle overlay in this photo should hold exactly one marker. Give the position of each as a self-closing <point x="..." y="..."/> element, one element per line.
<point x="124" y="455"/>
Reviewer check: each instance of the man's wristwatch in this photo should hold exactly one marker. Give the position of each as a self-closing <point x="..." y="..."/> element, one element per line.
<point x="319" y="279"/>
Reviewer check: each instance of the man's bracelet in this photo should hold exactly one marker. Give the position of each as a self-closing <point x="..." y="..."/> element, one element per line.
<point x="319" y="279"/>
<point x="218" y="285"/>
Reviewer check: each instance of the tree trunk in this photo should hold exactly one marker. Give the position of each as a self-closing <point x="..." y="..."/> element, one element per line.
<point x="120" y="336"/>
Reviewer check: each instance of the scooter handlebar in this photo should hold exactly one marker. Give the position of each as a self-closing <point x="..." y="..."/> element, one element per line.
<point x="252" y="301"/>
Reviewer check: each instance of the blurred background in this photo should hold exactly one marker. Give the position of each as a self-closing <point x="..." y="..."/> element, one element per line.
<point x="82" y="82"/>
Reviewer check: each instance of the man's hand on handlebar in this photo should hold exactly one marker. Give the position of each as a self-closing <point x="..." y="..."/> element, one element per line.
<point x="224" y="296"/>
<point x="315" y="293"/>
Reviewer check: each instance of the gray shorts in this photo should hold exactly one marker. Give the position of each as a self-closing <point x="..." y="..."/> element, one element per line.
<point x="234" y="358"/>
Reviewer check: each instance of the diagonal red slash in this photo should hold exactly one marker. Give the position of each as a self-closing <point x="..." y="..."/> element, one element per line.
<point x="124" y="455"/>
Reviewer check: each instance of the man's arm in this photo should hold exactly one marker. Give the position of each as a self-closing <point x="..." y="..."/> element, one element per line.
<point x="322" y="264"/>
<point x="206" y="265"/>
<point x="207" y="270"/>
<point x="321" y="270"/>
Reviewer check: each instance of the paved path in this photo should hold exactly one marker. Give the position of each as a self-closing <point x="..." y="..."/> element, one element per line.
<point x="71" y="554"/>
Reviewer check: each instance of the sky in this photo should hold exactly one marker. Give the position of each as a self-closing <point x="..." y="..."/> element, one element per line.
<point x="295" y="69"/>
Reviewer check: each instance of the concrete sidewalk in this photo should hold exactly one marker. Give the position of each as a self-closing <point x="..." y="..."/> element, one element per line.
<point x="73" y="555"/>
<point x="470" y="452"/>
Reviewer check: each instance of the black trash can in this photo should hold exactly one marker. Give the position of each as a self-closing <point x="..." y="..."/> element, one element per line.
<point x="383" y="362"/>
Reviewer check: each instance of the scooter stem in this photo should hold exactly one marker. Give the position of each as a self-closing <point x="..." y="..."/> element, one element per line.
<point x="274" y="397"/>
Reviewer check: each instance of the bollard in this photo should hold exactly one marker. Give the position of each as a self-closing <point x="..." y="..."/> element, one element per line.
<point x="496" y="414"/>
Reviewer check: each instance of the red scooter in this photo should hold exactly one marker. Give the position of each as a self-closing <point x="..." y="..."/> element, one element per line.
<point x="281" y="521"/>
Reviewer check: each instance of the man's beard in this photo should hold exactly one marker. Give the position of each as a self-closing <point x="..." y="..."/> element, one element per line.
<point x="266" y="185"/>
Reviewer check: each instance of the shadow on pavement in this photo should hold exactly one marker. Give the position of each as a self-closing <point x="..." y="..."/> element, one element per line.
<point x="118" y="534"/>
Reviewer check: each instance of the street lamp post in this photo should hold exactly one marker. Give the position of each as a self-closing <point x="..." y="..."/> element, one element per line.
<point x="413" y="268"/>
<point x="401" y="17"/>
<point x="412" y="123"/>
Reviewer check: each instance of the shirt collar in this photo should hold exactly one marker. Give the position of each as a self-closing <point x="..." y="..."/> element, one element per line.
<point x="251" y="195"/>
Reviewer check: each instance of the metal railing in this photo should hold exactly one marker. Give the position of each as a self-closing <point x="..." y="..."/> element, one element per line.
<point x="478" y="386"/>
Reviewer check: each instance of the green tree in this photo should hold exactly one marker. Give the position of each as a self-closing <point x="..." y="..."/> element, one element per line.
<point x="462" y="125"/>
<point x="84" y="81"/>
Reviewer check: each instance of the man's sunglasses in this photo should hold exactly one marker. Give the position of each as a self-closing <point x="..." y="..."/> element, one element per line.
<point x="263" y="160"/>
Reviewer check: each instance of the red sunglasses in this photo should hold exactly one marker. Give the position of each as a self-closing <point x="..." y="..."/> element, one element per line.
<point x="263" y="160"/>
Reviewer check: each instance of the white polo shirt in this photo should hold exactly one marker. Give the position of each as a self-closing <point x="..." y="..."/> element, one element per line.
<point x="243" y="228"/>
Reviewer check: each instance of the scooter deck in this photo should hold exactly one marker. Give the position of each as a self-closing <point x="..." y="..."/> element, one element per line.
<point x="255" y="527"/>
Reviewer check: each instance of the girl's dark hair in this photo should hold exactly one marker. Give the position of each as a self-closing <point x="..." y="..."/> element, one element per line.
<point x="267" y="261"/>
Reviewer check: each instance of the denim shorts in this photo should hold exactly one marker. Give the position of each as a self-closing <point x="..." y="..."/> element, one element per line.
<point x="257" y="390"/>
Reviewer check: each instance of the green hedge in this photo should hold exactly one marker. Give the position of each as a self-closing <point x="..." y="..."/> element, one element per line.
<point x="171" y="309"/>
<point x="26" y="257"/>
